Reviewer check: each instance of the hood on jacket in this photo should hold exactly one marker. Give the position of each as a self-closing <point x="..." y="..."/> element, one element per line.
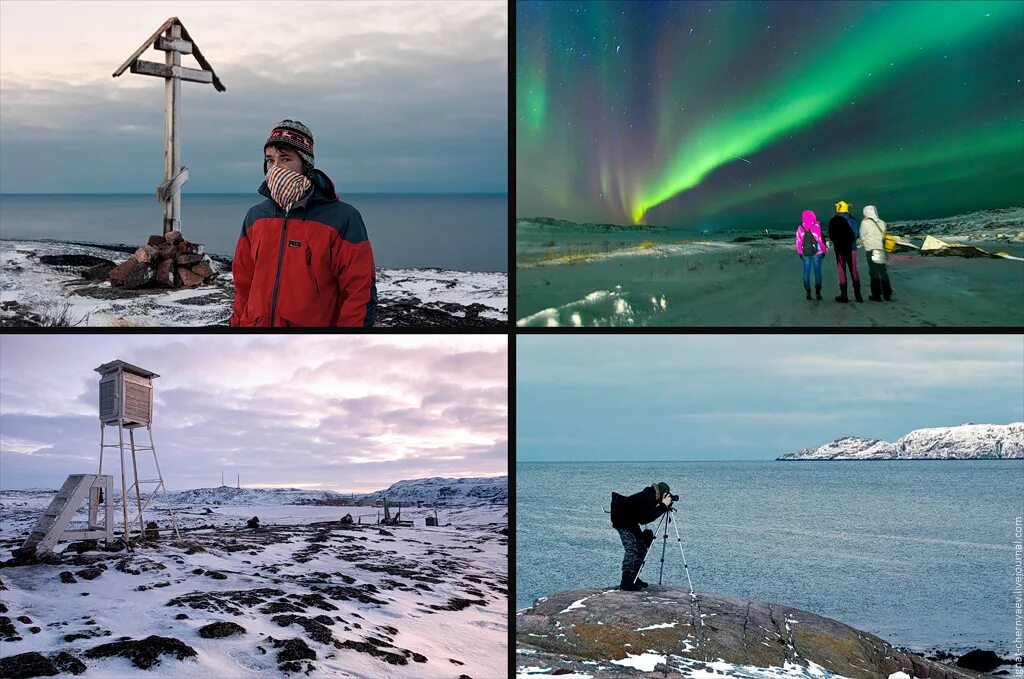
<point x="323" y="188"/>
<point x="870" y="212"/>
<point x="809" y="219"/>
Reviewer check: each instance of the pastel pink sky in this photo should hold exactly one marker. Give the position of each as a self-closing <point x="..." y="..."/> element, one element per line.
<point x="344" y="413"/>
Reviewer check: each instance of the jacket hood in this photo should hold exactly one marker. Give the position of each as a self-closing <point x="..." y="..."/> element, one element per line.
<point x="809" y="219"/>
<point x="870" y="212"/>
<point x="323" y="188"/>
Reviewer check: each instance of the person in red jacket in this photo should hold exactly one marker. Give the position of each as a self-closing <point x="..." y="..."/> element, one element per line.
<point x="303" y="257"/>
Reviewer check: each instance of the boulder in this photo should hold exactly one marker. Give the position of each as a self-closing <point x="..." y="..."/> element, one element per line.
<point x="189" y="279"/>
<point x="203" y="269"/>
<point x="572" y="630"/>
<point x="157" y="241"/>
<point x="165" y="271"/>
<point x="254" y="522"/>
<point x="144" y="653"/>
<point x="185" y="259"/>
<point x="174" y="237"/>
<point x="131" y="274"/>
<point x="190" y="248"/>
<point x="216" y="630"/>
<point x="145" y="254"/>
<point x="152" y="531"/>
<point x="100" y="272"/>
<point x="979" y="661"/>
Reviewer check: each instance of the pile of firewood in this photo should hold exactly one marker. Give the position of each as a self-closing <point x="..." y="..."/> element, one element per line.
<point x="167" y="261"/>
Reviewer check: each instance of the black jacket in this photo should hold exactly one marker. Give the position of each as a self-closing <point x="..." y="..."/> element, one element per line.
<point x="840" y="233"/>
<point x="643" y="507"/>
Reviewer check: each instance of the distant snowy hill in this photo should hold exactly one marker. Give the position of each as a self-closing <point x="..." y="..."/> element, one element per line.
<point x="438" y="490"/>
<point x="965" y="442"/>
<point x="226" y="495"/>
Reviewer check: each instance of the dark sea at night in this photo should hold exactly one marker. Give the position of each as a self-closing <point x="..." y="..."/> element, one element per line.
<point x="463" y="232"/>
<point x="919" y="553"/>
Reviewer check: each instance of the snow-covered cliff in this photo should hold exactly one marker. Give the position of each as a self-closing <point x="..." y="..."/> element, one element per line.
<point x="965" y="442"/>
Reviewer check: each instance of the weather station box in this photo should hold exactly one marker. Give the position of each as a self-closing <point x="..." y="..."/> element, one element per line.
<point x="126" y="394"/>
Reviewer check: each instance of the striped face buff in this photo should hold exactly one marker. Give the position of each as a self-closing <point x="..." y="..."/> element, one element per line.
<point x="286" y="186"/>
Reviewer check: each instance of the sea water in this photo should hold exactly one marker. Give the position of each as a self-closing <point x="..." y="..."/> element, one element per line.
<point x="919" y="553"/>
<point x="464" y="232"/>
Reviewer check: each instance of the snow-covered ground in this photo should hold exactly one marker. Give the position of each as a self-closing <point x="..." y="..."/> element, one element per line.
<point x="964" y="442"/>
<point x="366" y="600"/>
<point x="28" y="287"/>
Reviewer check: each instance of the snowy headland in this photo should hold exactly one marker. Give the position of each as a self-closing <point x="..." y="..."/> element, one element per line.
<point x="299" y="593"/>
<point x="965" y="442"/>
<point x="42" y="284"/>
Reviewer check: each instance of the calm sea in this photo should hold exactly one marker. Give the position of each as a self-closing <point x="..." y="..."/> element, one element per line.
<point x="465" y="232"/>
<point x="918" y="553"/>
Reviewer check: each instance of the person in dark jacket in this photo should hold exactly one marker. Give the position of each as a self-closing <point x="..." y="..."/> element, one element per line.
<point x="627" y="515"/>
<point x="842" y="231"/>
<point x="303" y="257"/>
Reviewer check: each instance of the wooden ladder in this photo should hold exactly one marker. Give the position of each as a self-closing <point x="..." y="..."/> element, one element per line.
<point x="51" y="527"/>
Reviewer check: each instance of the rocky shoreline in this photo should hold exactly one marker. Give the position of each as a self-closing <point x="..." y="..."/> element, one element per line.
<point x="64" y="284"/>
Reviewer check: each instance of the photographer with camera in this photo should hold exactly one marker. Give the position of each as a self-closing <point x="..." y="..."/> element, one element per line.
<point x="627" y="514"/>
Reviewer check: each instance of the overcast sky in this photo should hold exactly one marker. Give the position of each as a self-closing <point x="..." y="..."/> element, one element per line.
<point x="344" y="413"/>
<point x="400" y="96"/>
<point x="714" y="397"/>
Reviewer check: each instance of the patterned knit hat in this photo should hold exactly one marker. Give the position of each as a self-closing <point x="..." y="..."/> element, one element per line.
<point x="662" y="488"/>
<point x="294" y="134"/>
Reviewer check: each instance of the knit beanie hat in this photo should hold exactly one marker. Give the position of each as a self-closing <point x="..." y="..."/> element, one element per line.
<point x="662" y="488"/>
<point x="294" y="134"/>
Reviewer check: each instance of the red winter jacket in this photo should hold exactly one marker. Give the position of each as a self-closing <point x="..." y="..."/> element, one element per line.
<point x="312" y="267"/>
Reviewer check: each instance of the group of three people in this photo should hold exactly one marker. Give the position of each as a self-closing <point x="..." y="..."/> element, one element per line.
<point x="843" y="232"/>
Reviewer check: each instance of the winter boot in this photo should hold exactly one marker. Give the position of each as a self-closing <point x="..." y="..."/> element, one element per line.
<point x="856" y="291"/>
<point x="876" y="291"/>
<point x="842" y="295"/>
<point x="643" y="585"/>
<point x="886" y="290"/>
<point x="627" y="583"/>
<point x="817" y="292"/>
<point x="808" y="291"/>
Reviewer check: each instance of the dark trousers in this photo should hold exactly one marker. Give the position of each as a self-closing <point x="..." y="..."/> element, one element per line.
<point x="846" y="259"/>
<point x="880" y="286"/>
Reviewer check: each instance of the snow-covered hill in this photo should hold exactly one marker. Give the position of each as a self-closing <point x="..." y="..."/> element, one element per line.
<point x="445" y="491"/>
<point x="226" y="495"/>
<point x="965" y="442"/>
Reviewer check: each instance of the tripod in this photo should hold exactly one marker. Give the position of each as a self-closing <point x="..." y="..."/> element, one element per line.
<point x="665" y="520"/>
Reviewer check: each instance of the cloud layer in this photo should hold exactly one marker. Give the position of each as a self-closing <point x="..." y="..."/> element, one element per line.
<point x="340" y="413"/>
<point x="400" y="96"/>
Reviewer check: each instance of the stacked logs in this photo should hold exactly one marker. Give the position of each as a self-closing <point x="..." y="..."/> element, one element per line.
<point x="167" y="261"/>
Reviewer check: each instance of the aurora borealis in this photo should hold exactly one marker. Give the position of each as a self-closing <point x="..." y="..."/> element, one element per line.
<point x="721" y="114"/>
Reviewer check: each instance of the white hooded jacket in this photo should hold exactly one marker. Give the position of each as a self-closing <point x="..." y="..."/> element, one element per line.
<point x="872" y="229"/>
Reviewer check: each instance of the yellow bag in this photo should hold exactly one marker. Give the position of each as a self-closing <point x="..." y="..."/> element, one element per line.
<point x="889" y="242"/>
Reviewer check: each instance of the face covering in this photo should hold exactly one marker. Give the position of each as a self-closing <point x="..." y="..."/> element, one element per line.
<point x="286" y="187"/>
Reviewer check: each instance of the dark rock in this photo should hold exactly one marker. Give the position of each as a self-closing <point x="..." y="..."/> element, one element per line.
<point x="34" y="630"/>
<point x="100" y="272"/>
<point x="216" y="630"/>
<point x="189" y="248"/>
<point x="7" y="630"/>
<point x="198" y="571"/>
<point x="294" y="649"/>
<point x="24" y="619"/>
<point x="49" y="557"/>
<point x="316" y="631"/>
<point x="216" y="575"/>
<point x="156" y="241"/>
<point x="979" y="661"/>
<point x="73" y="260"/>
<point x="711" y="626"/>
<point x="131" y="274"/>
<point x="152" y="531"/>
<point x="207" y="510"/>
<point x="68" y="638"/>
<point x="181" y="616"/>
<point x="92" y="572"/>
<point x="144" y="653"/>
<point x="68" y="663"/>
<point x="346" y="520"/>
<point x="254" y="522"/>
<point x="82" y="546"/>
<point x="26" y="665"/>
<point x="188" y="260"/>
<point x="386" y="533"/>
<point x="174" y="237"/>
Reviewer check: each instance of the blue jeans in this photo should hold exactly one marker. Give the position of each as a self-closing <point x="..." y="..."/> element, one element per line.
<point x="808" y="261"/>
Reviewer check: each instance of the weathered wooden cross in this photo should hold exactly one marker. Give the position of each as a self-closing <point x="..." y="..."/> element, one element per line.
<point x="173" y="39"/>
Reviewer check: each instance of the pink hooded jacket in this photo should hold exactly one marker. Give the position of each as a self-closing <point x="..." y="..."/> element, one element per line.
<point x="810" y="223"/>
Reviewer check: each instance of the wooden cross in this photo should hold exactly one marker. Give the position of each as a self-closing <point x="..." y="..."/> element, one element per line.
<point x="173" y="39"/>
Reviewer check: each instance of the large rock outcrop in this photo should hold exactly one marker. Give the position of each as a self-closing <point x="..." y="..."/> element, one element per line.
<point x="661" y="631"/>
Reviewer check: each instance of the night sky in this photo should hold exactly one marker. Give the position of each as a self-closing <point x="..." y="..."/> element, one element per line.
<point x="743" y="114"/>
